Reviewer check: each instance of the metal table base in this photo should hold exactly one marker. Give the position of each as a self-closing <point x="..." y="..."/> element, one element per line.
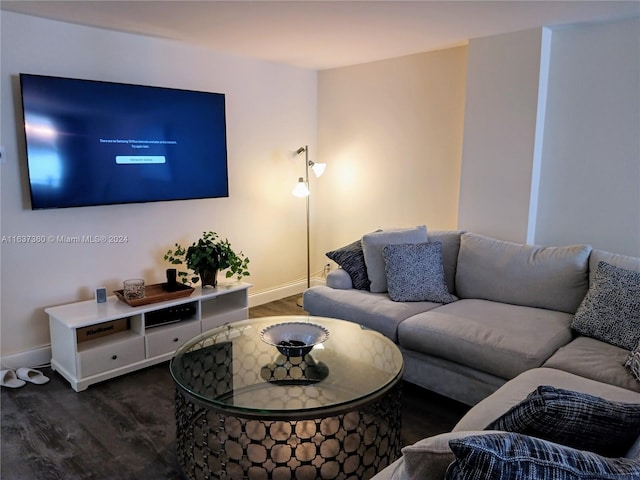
<point x="355" y="444"/>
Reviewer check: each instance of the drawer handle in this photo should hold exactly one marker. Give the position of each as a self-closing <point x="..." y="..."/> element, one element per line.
<point x="176" y="339"/>
<point x="113" y="357"/>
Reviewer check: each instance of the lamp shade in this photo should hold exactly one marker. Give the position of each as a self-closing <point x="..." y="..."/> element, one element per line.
<point x="318" y="168"/>
<point x="301" y="189"/>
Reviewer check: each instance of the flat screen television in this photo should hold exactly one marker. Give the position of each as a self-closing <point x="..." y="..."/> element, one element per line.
<point x="98" y="143"/>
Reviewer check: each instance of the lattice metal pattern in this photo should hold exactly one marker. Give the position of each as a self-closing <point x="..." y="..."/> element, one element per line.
<point x="353" y="445"/>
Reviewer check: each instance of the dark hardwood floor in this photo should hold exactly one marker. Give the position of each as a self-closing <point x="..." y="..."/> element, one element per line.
<point x="124" y="428"/>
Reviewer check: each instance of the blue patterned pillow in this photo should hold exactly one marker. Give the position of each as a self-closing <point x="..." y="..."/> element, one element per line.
<point x="515" y="456"/>
<point x="574" y="419"/>
<point x="351" y="259"/>
<point x="633" y="362"/>
<point x="611" y="309"/>
<point x="415" y="273"/>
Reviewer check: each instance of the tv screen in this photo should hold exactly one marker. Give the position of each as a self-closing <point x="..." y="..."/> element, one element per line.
<point x="99" y="143"/>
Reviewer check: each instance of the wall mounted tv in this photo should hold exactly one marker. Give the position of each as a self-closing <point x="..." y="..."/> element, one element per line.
<point x="99" y="143"/>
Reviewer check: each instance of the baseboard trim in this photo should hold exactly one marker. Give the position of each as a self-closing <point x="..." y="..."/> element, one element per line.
<point x="36" y="357"/>
<point x="42" y="355"/>
<point x="283" y="291"/>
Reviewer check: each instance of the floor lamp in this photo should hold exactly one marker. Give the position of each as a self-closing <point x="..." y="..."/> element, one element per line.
<point x="302" y="190"/>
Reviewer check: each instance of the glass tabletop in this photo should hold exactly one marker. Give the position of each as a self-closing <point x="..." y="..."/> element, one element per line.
<point x="240" y="368"/>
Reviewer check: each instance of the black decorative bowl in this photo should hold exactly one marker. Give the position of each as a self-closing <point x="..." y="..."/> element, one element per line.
<point x="294" y="339"/>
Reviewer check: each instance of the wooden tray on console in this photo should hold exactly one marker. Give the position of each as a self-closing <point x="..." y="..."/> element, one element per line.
<point x="156" y="293"/>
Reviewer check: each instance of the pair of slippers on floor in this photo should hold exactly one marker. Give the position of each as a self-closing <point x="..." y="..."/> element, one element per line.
<point x="19" y="378"/>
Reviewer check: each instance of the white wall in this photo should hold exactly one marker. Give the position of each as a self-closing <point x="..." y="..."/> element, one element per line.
<point x="271" y="111"/>
<point x="551" y="149"/>
<point x="590" y="170"/>
<point x="391" y="134"/>
<point x="499" y="132"/>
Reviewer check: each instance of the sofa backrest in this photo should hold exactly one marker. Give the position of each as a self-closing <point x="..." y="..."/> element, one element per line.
<point x="450" y="240"/>
<point x="617" y="260"/>
<point x="553" y="278"/>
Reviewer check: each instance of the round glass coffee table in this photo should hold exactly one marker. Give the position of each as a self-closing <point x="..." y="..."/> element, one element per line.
<point x="250" y="406"/>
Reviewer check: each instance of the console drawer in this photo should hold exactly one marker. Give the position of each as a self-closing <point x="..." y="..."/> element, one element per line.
<point x="166" y="339"/>
<point x="110" y="352"/>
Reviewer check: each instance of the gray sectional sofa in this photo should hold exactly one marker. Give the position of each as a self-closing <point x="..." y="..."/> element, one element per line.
<point x="514" y="313"/>
<point x="511" y="318"/>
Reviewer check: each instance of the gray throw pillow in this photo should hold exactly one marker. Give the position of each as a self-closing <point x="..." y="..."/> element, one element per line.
<point x="516" y="456"/>
<point x="574" y="419"/>
<point x="372" y="245"/>
<point x="351" y="259"/>
<point x="633" y="362"/>
<point x="610" y="311"/>
<point x="415" y="273"/>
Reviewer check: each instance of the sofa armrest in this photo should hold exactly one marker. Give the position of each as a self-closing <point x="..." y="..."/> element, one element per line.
<point x="395" y="471"/>
<point x="427" y="459"/>
<point x="339" y="279"/>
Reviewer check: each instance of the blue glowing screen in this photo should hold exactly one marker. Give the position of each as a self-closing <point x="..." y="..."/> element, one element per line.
<point x="99" y="143"/>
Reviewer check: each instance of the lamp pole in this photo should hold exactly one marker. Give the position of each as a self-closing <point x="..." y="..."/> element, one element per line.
<point x="306" y="192"/>
<point x="302" y="190"/>
<point x="306" y="179"/>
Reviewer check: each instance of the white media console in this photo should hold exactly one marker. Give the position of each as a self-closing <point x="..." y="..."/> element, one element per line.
<point x="92" y="342"/>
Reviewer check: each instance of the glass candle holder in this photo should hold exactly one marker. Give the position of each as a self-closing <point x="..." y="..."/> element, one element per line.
<point x="133" y="289"/>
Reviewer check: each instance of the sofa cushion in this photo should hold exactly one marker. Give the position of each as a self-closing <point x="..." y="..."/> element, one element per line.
<point x="429" y="458"/>
<point x="516" y="456"/>
<point x="591" y="358"/>
<point x="374" y="242"/>
<point x="415" y="273"/>
<point x="373" y="310"/>
<point x="632" y="363"/>
<point x="555" y="278"/>
<point x="517" y="389"/>
<point x="351" y="259"/>
<point x="611" y="309"/>
<point x="496" y="338"/>
<point x="574" y="419"/>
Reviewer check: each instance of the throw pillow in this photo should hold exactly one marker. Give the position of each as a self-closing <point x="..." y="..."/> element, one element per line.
<point x="351" y="259"/>
<point x="574" y="419"/>
<point x="415" y="273"/>
<point x="429" y="458"/>
<point x="634" y="451"/>
<point x="372" y="245"/>
<point x="516" y="456"/>
<point x="633" y="362"/>
<point x="611" y="309"/>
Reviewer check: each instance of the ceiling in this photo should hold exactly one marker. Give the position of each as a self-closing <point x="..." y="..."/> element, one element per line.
<point x="323" y="34"/>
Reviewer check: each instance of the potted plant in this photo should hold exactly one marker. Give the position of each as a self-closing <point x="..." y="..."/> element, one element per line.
<point x="205" y="257"/>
